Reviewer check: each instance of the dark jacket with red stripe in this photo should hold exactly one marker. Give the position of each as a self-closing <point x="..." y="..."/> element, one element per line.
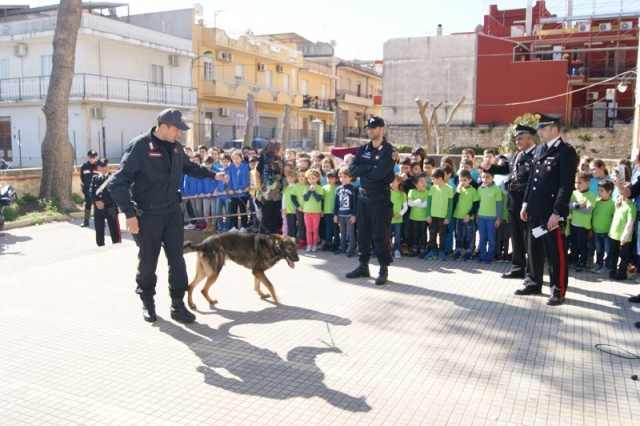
<point x="374" y="166"/>
<point x="551" y="180"/>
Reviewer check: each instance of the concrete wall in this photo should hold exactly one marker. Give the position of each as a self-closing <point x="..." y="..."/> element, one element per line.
<point x="439" y="68"/>
<point x="174" y="22"/>
<point x="598" y="143"/>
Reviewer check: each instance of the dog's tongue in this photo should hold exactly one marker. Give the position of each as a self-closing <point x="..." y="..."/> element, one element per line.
<point x="291" y="264"/>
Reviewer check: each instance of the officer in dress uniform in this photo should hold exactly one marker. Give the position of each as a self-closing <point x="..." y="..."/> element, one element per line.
<point x="373" y="164"/>
<point x="546" y="204"/>
<point x="517" y="170"/>
<point x="87" y="171"/>
<point x="104" y="206"/>
<point x="146" y="189"/>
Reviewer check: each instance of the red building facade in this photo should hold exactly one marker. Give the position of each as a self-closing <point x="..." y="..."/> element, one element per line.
<point x="569" y="68"/>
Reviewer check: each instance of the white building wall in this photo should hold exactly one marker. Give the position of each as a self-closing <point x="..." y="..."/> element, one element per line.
<point x="439" y="68"/>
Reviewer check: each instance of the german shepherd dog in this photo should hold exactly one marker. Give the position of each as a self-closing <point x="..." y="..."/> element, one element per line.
<point x="253" y="251"/>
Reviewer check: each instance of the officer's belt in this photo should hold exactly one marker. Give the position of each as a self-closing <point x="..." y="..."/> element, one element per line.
<point x="516" y="187"/>
<point x="363" y="191"/>
<point x="158" y="205"/>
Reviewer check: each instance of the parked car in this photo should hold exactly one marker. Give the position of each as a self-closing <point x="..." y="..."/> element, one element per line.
<point x="302" y="145"/>
<point x="257" y="143"/>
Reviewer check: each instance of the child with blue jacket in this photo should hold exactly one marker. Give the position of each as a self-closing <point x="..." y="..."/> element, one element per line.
<point x="223" y="192"/>
<point x="239" y="182"/>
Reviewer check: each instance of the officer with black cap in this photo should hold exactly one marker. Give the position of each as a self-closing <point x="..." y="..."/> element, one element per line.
<point x="373" y="164"/>
<point x="87" y="171"/>
<point x="517" y="170"/>
<point x="146" y="188"/>
<point x="104" y="206"/>
<point x="546" y="205"/>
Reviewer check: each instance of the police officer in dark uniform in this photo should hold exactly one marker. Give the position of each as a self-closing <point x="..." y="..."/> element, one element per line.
<point x="518" y="170"/>
<point x="374" y="164"/>
<point x="104" y="206"/>
<point x="145" y="187"/>
<point x="87" y="171"/>
<point x="546" y="204"/>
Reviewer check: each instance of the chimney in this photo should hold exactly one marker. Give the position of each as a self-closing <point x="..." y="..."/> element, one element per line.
<point x="439" y="30"/>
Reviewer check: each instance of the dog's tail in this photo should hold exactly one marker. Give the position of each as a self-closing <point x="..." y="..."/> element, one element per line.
<point x="189" y="247"/>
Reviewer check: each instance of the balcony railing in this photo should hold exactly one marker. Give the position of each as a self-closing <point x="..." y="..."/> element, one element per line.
<point x="359" y="95"/>
<point x="320" y="104"/>
<point x="90" y="86"/>
<point x="255" y="88"/>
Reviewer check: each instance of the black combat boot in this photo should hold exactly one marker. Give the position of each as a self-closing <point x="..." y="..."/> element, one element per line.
<point x="148" y="309"/>
<point x="180" y="313"/>
<point x="87" y="216"/>
<point x="383" y="275"/>
<point x="362" y="271"/>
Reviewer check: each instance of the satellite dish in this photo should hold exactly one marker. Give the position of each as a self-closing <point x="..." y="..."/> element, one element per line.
<point x="333" y="43"/>
<point x="199" y="9"/>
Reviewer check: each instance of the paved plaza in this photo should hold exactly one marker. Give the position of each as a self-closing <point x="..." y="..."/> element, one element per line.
<point x="442" y="343"/>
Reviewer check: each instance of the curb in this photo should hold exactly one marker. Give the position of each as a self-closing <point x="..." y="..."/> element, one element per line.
<point x="46" y="219"/>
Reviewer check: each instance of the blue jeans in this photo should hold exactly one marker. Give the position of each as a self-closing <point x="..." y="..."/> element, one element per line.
<point x="464" y="235"/>
<point x="603" y="246"/>
<point x="331" y="231"/>
<point x="396" y="230"/>
<point x="449" y="240"/>
<point x="223" y="224"/>
<point x="487" y="230"/>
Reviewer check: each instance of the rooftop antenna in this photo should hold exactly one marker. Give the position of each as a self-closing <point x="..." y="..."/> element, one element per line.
<point x="199" y="9"/>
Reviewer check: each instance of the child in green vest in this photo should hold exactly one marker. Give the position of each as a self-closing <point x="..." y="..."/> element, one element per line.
<point x="290" y="203"/>
<point x="466" y="201"/>
<point x="621" y="233"/>
<point x="332" y="230"/>
<point x="439" y="211"/>
<point x="400" y="206"/>
<point x="489" y="216"/>
<point x="581" y="207"/>
<point x="601" y="223"/>
<point x="417" y="200"/>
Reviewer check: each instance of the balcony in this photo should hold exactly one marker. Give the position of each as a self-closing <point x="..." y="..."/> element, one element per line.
<point x="239" y="89"/>
<point x="311" y="102"/>
<point x="100" y="88"/>
<point x="355" y="98"/>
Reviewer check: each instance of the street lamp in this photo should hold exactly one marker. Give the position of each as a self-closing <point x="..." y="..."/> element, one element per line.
<point x="205" y="54"/>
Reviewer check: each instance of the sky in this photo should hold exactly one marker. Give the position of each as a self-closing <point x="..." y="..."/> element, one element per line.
<point x="358" y="27"/>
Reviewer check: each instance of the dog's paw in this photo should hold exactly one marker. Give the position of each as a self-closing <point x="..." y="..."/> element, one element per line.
<point x="213" y="302"/>
<point x="192" y="305"/>
<point x="265" y="296"/>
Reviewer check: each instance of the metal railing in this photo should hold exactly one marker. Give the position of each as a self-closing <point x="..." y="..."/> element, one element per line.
<point x="349" y="92"/>
<point x="255" y="88"/>
<point x="321" y="104"/>
<point x="91" y="86"/>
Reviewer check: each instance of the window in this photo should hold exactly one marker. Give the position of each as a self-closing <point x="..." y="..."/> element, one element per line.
<point x="4" y="68"/>
<point x="358" y="87"/>
<point x="240" y="121"/>
<point x="323" y="91"/>
<point x="208" y="69"/>
<point x="305" y="87"/>
<point x="239" y="73"/>
<point x="157" y="74"/>
<point x="268" y="78"/>
<point x="46" y="64"/>
<point x="208" y="126"/>
<point x="285" y="82"/>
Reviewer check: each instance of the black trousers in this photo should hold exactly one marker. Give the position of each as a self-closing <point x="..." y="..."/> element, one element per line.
<point x="271" y="216"/>
<point x="99" y="216"/>
<point x="437" y="234"/>
<point x="419" y="234"/>
<point x="239" y="205"/>
<point x="553" y="246"/>
<point x="373" y="218"/>
<point x="619" y="252"/>
<point x="579" y="244"/>
<point x="519" y="241"/>
<point x="161" y="231"/>
<point x="87" y="200"/>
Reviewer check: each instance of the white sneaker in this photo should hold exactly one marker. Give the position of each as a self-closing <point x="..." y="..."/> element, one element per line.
<point x="397" y="254"/>
<point x="596" y="269"/>
<point x="309" y="247"/>
<point x="233" y="229"/>
<point x="243" y="230"/>
<point x="314" y="248"/>
<point x="190" y="226"/>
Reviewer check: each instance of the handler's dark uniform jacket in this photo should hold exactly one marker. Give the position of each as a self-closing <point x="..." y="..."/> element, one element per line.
<point x="149" y="175"/>
<point x="548" y="192"/>
<point x="105" y="194"/>
<point x="374" y="167"/>
<point x="518" y="169"/>
<point x="87" y="171"/>
<point x="109" y="213"/>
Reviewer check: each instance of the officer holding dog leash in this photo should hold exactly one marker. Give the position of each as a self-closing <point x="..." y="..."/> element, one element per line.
<point x="145" y="187"/>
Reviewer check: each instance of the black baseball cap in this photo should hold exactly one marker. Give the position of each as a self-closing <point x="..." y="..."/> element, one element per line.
<point x="102" y="162"/>
<point x="546" y="119"/>
<point x="172" y="117"/>
<point x="92" y="153"/>
<point x="521" y="129"/>
<point x="375" y="122"/>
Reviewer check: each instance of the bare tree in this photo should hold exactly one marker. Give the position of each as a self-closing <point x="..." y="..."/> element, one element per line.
<point x="432" y="125"/>
<point x="427" y="122"/>
<point x="448" y="122"/>
<point x="57" y="152"/>
<point x="251" y="111"/>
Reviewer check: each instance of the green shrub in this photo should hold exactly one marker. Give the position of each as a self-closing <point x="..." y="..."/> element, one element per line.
<point x="509" y="141"/>
<point x="11" y="212"/>
<point x="403" y="148"/>
<point x="77" y="198"/>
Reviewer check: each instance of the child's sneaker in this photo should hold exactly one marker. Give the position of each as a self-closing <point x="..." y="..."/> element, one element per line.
<point x="234" y="229"/>
<point x="442" y="256"/>
<point x="339" y="251"/>
<point x="302" y="244"/>
<point x="489" y="259"/>
<point x="579" y="267"/>
<point x="431" y="255"/>
<point x="314" y="248"/>
<point x="351" y="254"/>
<point x="457" y="255"/>
<point x="413" y="253"/>
<point x="596" y="269"/>
<point x="467" y="257"/>
<point x="309" y="247"/>
<point x="481" y="258"/>
<point x="499" y="258"/>
<point x="190" y="226"/>
<point x="242" y="230"/>
<point x="397" y="254"/>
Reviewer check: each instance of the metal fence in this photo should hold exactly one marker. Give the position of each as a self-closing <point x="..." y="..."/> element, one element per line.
<point x="217" y="135"/>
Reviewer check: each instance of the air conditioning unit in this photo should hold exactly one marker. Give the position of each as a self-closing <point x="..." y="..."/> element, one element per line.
<point x="584" y="27"/>
<point x="605" y="27"/>
<point x="262" y="67"/>
<point x="222" y="56"/>
<point x="592" y="96"/>
<point x="229" y="57"/>
<point x="225" y="112"/>
<point x="279" y="68"/>
<point x="20" y="50"/>
<point x="97" y="112"/>
<point x="173" y="60"/>
<point x="626" y="25"/>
